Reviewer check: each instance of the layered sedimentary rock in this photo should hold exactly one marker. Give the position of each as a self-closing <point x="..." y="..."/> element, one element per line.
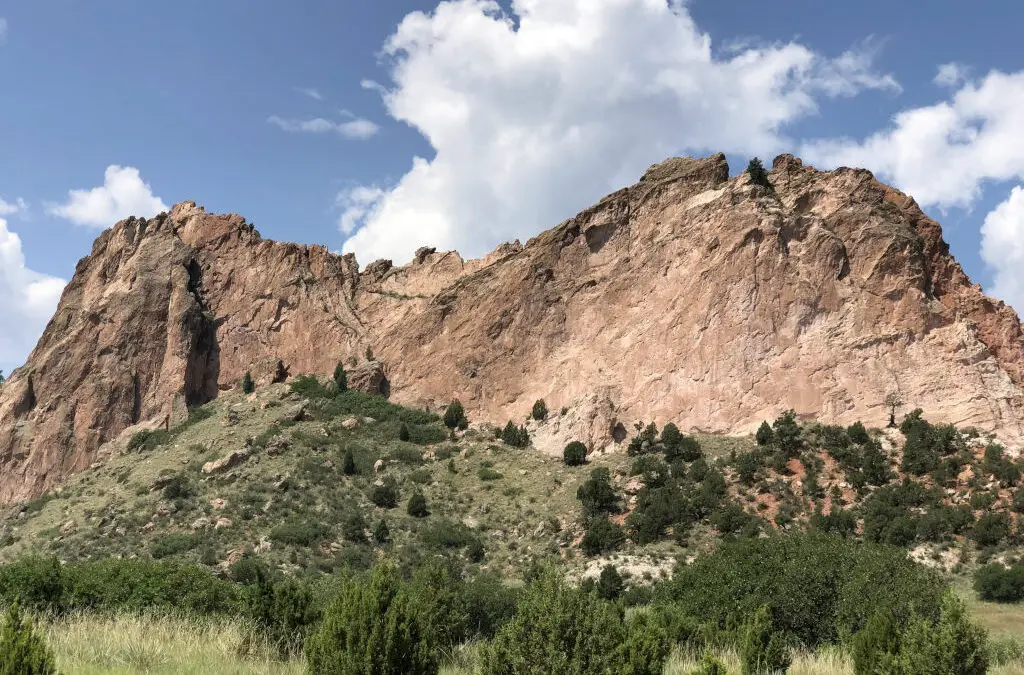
<point x="689" y="297"/>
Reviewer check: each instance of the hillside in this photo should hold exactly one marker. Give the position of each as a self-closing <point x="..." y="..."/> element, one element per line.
<point x="301" y="478"/>
<point x="690" y="296"/>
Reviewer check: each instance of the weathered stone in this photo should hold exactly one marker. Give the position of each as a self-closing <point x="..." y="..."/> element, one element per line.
<point x="226" y="462"/>
<point x="350" y="423"/>
<point x="222" y="523"/>
<point x="378" y="466"/>
<point x="294" y="413"/>
<point x="278" y="445"/>
<point x="689" y="297"/>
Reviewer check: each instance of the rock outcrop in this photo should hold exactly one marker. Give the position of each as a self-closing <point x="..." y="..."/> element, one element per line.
<point x="690" y="296"/>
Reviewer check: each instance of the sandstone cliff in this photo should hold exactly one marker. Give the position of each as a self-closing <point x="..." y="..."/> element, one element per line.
<point x="689" y="297"/>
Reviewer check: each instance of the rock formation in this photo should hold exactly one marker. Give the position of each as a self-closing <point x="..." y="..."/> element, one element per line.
<point x="690" y="296"/>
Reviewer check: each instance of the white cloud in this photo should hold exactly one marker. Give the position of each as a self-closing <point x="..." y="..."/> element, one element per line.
<point x="310" y="92"/>
<point x="356" y="129"/>
<point x="10" y="208"/>
<point x="122" y="194"/>
<point x="950" y="75"/>
<point x="356" y="203"/>
<point x="1002" y="249"/>
<point x="942" y="153"/>
<point x="27" y="300"/>
<point x="533" y="120"/>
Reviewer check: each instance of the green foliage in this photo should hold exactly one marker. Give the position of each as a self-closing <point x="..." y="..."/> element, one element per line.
<point x="403" y="432"/>
<point x="340" y="377"/>
<point x="763" y="650"/>
<point x="944" y="522"/>
<point x="651" y="469"/>
<point x="248" y="386"/>
<point x="381" y="532"/>
<point x="995" y="462"/>
<point x="890" y="514"/>
<point x="817" y="587"/>
<point x="561" y="631"/>
<point x="757" y="173"/>
<point x="283" y="611"/>
<point x="596" y="494"/>
<point x="309" y="387"/>
<point x="732" y="519"/>
<point x="486" y="473"/>
<point x="23" y="651"/>
<point x="926" y="444"/>
<point x="997" y="583"/>
<point x="787" y="434"/>
<point x="610" y="583"/>
<point x="710" y="665"/>
<point x="517" y="437"/>
<point x="540" y="410"/>
<point x="385" y="495"/>
<point x="645" y="440"/>
<point x="353" y="527"/>
<point x="575" y="454"/>
<point x="417" y="506"/>
<point x="765" y="436"/>
<point x="991" y="529"/>
<point x="348" y="464"/>
<point x="455" y="416"/>
<point x="299" y="532"/>
<point x="173" y="543"/>
<point x="144" y="441"/>
<point x="602" y="535"/>
<point x="748" y="464"/>
<point x="372" y="628"/>
<point x="857" y="433"/>
<point x="838" y="521"/>
<point x="949" y="643"/>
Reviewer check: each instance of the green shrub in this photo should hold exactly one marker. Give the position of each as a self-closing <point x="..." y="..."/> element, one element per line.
<point x="36" y="582"/>
<point x="651" y="469"/>
<point x="145" y="441"/>
<point x="817" y="587"/>
<point x="381" y="532"/>
<point x="540" y="410"/>
<point x="486" y="473"/>
<point x="857" y="433"/>
<point x="763" y="650"/>
<point x="455" y="416"/>
<point x="991" y="529"/>
<point x="353" y="527"/>
<point x="23" y="650"/>
<point x="747" y="466"/>
<point x="403" y="432"/>
<point x="517" y="437"/>
<point x="173" y="543"/>
<point x="710" y="665"/>
<point x="348" y="464"/>
<point x="248" y="386"/>
<point x="574" y="454"/>
<point x="417" y="506"/>
<point x="757" y="173"/>
<point x="299" y="532"/>
<point x="448" y="534"/>
<point x="385" y="495"/>
<point x="340" y="377"/>
<point x="787" y="434"/>
<point x="765" y="436"/>
<point x="601" y="536"/>
<point x="645" y="440"/>
<point x="309" y="387"/>
<point x="372" y="627"/>
<point x="996" y="583"/>
<point x="950" y="643"/>
<point x="561" y="631"/>
<point x="284" y="612"/>
<point x="596" y="494"/>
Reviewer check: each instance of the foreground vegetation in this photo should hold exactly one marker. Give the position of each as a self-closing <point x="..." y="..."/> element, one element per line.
<point x="305" y="527"/>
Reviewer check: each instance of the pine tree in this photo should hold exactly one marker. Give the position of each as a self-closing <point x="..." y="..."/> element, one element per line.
<point x="381" y="533"/>
<point x="22" y="648"/>
<point x="455" y="416"/>
<point x="348" y="465"/>
<point x="248" y="386"/>
<point x="341" y="377"/>
<point x="417" y="507"/>
<point x="758" y="176"/>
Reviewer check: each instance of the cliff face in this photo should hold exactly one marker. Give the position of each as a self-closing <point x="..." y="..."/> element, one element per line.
<point x="689" y="297"/>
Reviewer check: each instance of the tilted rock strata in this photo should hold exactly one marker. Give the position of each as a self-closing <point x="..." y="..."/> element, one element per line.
<point x="689" y="297"/>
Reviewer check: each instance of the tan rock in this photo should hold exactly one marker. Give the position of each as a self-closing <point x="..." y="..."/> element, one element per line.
<point x="350" y="423"/>
<point x="228" y="461"/>
<point x="222" y="523"/>
<point x="690" y="296"/>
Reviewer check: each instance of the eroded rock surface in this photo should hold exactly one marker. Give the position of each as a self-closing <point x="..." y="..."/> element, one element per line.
<point x="690" y="296"/>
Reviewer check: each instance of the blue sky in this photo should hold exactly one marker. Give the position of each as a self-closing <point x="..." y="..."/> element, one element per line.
<point x="302" y="118"/>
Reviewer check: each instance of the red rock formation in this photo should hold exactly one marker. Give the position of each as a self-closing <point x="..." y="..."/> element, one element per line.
<point x="689" y="297"/>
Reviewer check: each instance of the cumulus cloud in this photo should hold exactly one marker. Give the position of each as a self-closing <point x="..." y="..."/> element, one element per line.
<point x="950" y="75"/>
<point x="355" y="129"/>
<point x="942" y="153"/>
<point x="10" y="208"/>
<point x="355" y="203"/>
<point x="1002" y="249"/>
<point x="122" y="194"/>
<point x="310" y="92"/>
<point x="535" y="114"/>
<point x="27" y="300"/>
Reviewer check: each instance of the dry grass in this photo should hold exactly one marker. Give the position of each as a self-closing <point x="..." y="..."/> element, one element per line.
<point x="90" y="644"/>
<point x="824" y="662"/>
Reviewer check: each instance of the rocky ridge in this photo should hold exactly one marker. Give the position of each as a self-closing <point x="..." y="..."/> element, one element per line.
<point x="689" y="297"/>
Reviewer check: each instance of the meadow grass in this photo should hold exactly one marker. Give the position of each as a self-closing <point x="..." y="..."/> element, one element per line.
<point x="92" y="644"/>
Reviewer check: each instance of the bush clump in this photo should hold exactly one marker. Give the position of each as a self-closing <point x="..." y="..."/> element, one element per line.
<point x="417" y="506"/>
<point x="385" y="495"/>
<point x="997" y="583"/>
<point x="575" y="454"/>
<point x="23" y="651"/>
<point x="757" y="173"/>
<point x="540" y="410"/>
<point x="455" y="416"/>
<point x="517" y="437"/>
<point x="248" y="386"/>
<point x="372" y="626"/>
